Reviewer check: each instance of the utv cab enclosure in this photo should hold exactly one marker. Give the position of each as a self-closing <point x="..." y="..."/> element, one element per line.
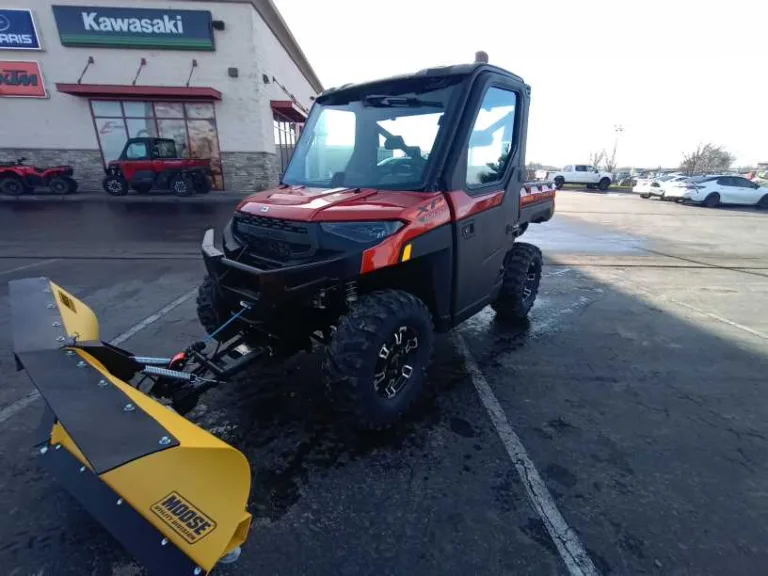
<point x="153" y="163"/>
<point x="396" y="217"/>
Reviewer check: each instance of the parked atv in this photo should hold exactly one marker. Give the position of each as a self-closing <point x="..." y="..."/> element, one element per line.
<point x="18" y="178"/>
<point x="371" y="256"/>
<point x="147" y="164"/>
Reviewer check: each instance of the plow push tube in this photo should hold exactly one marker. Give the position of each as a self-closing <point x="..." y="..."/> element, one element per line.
<point x="174" y="495"/>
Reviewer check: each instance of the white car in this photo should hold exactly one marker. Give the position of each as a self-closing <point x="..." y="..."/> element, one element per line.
<point x="581" y="174"/>
<point x="711" y="191"/>
<point x="648" y="187"/>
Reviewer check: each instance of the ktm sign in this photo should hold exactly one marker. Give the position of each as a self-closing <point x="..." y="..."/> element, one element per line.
<point x="22" y="79"/>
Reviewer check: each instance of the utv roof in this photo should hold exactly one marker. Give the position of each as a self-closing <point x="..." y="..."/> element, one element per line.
<point x="438" y="72"/>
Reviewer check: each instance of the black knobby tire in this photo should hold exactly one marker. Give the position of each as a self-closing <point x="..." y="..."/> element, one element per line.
<point x="211" y="310"/>
<point x="115" y="185"/>
<point x="11" y="186"/>
<point x="182" y="185"/>
<point x="72" y="184"/>
<point x="365" y="346"/>
<point x="712" y="200"/>
<point x="202" y="184"/>
<point x="58" y="185"/>
<point x="522" y="275"/>
<point x="604" y="184"/>
<point x="559" y="181"/>
<point x="763" y="203"/>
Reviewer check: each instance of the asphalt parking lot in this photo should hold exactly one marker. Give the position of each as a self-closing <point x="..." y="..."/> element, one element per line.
<point x="635" y="392"/>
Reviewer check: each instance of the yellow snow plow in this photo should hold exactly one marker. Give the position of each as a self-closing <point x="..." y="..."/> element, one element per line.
<point x="174" y="495"/>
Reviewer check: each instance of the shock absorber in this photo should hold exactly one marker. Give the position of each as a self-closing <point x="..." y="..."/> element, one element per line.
<point x="351" y="291"/>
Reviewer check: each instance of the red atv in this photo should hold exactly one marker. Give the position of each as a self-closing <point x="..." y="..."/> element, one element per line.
<point x="152" y="163"/>
<point x="18" y="178"/>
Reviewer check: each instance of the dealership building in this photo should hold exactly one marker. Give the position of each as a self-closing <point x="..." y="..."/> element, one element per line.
<point x="225" y="79"/>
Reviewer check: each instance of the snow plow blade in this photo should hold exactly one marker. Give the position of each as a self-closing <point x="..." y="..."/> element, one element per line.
<point x="174" y="495"/>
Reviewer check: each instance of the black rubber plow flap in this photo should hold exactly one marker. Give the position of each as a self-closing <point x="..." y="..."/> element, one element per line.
<point x="171" y="493"/>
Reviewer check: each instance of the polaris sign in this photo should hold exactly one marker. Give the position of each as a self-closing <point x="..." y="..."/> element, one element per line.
<point x="17" y="30"/>
<point x="134" y="27"/>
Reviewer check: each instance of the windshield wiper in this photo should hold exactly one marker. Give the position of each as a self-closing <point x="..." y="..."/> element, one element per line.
<point x="385" y="101"/>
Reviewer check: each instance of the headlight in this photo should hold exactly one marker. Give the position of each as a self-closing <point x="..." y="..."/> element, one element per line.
<point x="363" y="232"/>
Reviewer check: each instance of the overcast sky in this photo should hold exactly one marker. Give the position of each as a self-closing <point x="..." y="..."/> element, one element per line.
<point x="673" y="73"/>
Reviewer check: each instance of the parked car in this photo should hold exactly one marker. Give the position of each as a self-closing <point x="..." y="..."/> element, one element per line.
<point x="649" y="187"/>
<point x="711" y="191"/>
<point x="581" y="174"/>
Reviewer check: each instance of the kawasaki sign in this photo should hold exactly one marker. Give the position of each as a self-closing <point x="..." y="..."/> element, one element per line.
<point x="134" y="27"/>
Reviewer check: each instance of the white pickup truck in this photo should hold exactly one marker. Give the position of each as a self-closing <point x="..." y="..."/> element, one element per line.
<point x="581" y="174"/>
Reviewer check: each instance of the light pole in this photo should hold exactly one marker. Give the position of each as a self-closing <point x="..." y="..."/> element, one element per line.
<point x="617" y="129"/>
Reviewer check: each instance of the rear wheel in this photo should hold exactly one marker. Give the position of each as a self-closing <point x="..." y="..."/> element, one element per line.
<point x="72" y="184"/>
<point x="645" y="195"/>
<point x="604" y="184"/>
<point x="58" y="185"/>
<point x="522" y="275"/>
<point x="11" y="186"/>
<point x="711" y="200"/>
<point x="182" y="185"/>
<point x="115" y="185"/>
<point x="376" y="363"/>
<point x="212" y="311"/>
<point x="559" y="181"/>
<point x="202" y="184"/>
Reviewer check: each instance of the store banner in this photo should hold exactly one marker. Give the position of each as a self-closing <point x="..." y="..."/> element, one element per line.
<point x="17" y="30"/>
<point x="22" y="79"/>
<point x="134" y="27"/>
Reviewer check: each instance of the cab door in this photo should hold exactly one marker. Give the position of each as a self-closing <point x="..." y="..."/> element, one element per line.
<point x="136" y="163"/>
<point x="487" y="177"/>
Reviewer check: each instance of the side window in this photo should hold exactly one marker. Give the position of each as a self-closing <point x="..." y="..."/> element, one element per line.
<point x="568" y="169"/>
<point x="742" y="182"/>
<point x="581" y="168"/>
<point x="136" y="151"/>
<point x="725" y="181"/>
<point x="490" y="143"/>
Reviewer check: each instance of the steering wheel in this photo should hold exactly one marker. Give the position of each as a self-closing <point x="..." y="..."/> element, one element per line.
<point x="403" y="167"/>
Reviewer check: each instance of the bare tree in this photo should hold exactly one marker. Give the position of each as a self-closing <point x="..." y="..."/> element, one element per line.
<point x="596" y="158"/>
<point x="706" y="158"/>
<point x="610" y="161"/>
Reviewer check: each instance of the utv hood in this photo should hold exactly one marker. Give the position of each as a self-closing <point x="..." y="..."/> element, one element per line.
<point x="329" y="204"/>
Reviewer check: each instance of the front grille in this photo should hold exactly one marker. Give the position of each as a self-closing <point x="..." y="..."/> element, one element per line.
<point x="273" y="239"/>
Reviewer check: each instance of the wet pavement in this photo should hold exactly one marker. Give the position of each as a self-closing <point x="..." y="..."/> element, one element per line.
<point x="636" y="388"/>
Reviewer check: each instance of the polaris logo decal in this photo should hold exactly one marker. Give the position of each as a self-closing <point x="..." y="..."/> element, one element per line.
<point x="134" y="27"/>
<point x="164" y="25"/>
<point x="183" y="518"/>
<point x="17" y="30"/>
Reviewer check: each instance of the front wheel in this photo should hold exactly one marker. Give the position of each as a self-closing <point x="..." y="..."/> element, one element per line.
<point x="58" y="185"/>
<point x="115" y="185"/>
<point x="182" y="185"/>
<point x="376" y="363"/>
<point x="213" y="312"/>
<point x="763" y="203"/>
<point x="72" y="185"/>
<point x="645" y="195"/>
<point x="604" y="184"/>
<point x="559" y="181"/>
<point x="520" y="285"/>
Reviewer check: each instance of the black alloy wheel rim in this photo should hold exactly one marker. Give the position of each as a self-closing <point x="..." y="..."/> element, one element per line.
<point x="397" y="361"/>
<point x="12" y="187"/>
<point x="115" y="186"/>
<point x="531" y="280"/>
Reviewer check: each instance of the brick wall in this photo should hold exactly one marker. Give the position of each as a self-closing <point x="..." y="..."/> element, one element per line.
<point x="89" y="171"/>
<point x="246" y="172"/>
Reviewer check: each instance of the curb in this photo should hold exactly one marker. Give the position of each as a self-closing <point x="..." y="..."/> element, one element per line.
<point x="156" y="198"/>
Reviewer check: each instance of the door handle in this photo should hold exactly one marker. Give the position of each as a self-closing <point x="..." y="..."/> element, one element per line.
<point x="468" y="230"/>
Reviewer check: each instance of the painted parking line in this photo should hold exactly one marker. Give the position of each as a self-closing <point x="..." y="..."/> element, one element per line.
<point x="21" y="404"/>
<point x="567" y="542"/>
<point x="28" y="266"/>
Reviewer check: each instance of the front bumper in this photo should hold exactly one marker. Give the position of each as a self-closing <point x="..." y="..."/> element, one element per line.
<point x="267" y="287"/>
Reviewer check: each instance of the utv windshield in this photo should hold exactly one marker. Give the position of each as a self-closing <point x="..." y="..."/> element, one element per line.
<point x="382" y="136"/>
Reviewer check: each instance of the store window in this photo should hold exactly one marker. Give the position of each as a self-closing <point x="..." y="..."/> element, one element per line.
<point x="286" y="134"/>
<point x="192" y="125"/>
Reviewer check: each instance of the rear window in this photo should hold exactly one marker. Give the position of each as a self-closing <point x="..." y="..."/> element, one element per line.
<point x="165" y="149"/>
